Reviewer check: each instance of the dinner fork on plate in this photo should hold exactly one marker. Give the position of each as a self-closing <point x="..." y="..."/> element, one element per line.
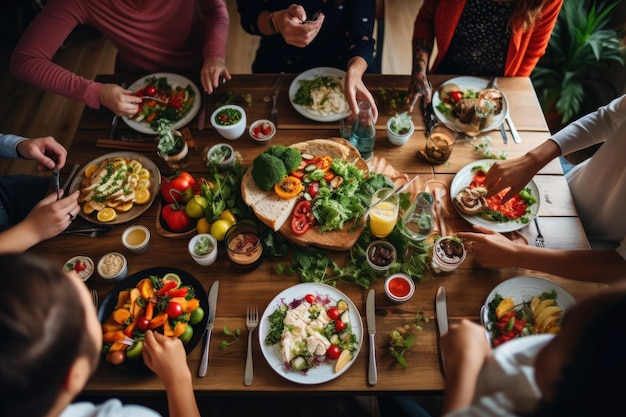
<point x="539" y="240"/>
<point x="252" y="321"/>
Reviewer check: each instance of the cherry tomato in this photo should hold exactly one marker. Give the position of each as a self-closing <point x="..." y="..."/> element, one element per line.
<point x="333" y="313"/>
<point x="80" y="266"/>
<point x="309" y="298"/>
<point x="173" y="309"/>
<point x="456" y="96"/>
<point x="143" y="323"/>
<point x="340" y="326"/>
<point x="150" y="90"/>
<point x="333" y="352"/>
<point x="329" y="175"/>
<point x="289" y="187"/>
<point x="313" y="188"/>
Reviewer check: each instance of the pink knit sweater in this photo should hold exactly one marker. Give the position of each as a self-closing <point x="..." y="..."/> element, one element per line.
<point x="150" y="35"/>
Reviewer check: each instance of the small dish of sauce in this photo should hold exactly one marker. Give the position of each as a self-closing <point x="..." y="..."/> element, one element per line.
<point x="399" y="288"/>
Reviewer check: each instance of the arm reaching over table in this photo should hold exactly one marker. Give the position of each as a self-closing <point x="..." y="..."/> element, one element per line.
<point x="167" y="358"/>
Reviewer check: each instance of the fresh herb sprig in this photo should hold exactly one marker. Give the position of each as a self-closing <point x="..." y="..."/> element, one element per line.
<point x="402" y="338"/>
<point x="233" y="336"/>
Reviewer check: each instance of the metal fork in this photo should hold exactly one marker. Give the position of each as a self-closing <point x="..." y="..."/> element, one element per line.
<point x="252" y="321"/>
<point x="94" y="297"/>
<point x="539" y="240"/>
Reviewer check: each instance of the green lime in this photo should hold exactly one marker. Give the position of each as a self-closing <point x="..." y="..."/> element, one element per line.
<point x="170" y="276"/>
<point x="187" y="334"/>
<point x="134" y="352"/>
<point x="196" y="316"/>
<point x="195" y="207"/>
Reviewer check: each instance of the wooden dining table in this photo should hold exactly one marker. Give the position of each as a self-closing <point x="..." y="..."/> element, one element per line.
<point x="467" y="287"/>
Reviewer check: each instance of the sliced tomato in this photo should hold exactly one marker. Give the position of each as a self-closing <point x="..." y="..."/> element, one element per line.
<point x="323" y="162"/>
<point x="298" y="173"/>
<point x="329" y="175"/>
<point x="289" y="187"/>
<point x="302" y="208"/>
<point x="302" y="218"/>
<point x="313" y="188"/>
<point x="299" y="225"/>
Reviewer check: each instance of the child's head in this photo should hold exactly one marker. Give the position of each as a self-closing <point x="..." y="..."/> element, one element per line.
<point x="581" y="371"/>
<point x="49" y="330"/>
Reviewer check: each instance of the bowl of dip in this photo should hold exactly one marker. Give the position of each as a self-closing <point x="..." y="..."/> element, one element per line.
<point x="399" y="288"/>
<point x="229" y="121"/>
<point x="113" y="267"/>
<point x="243" y="246"/>
<point x="82" y="265"/>
<point x="203" y="248"/>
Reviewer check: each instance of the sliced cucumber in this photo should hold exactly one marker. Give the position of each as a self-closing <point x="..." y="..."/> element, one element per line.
<point x="310" y="168"/>
<point x="299" y="363"/>
<point x="170" y="276"/>
<point x="342" y="305"/>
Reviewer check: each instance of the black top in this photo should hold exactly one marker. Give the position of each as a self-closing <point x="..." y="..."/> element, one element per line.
<point x="346" y="32"/>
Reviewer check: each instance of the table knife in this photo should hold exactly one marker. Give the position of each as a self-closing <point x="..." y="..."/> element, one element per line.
<point x="370" y="309"/>
<point x="209" y="327"/>
<point x="516" y="136"/>
<point x="275" y="91"/>
<point x="442" y="317"/>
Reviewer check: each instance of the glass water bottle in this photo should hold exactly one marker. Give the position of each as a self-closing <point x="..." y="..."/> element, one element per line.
<point x="363" y="131"/>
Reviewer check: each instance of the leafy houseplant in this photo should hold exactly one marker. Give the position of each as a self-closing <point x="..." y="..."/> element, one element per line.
<point x="580" y="45"/>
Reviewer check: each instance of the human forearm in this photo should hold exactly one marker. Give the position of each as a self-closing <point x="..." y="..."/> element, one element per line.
<point x="181" y="401"/>
<point x="18" y="238"/>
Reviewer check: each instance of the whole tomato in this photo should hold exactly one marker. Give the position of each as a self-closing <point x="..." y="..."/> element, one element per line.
<point x="177" y="188"/>
<point x="175" y="218"/>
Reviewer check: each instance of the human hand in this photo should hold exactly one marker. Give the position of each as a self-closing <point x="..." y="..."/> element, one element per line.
<point x="213" y="73"/>
<point x="119" y="100"/>
<point x="419" y="86"/>
<point x="46" y="151"/>
<point x="491" y="249"/>
<point x="50" y="216"/>
<point x="355" y="89"/>
<point x="290" y="24"/>
<point x="166" y="357"/>
<point x="464" y="348"/>
<point x="515" y="173"/>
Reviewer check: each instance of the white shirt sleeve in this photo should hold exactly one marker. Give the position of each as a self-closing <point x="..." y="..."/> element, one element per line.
<point x="109" y="408"/>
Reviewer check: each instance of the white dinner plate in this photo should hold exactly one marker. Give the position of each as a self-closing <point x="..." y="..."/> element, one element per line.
<point x="463" y="178"/>
<point x="273" y="355"/>
<point x="309" y="75"/>
<point x="522" y="288"/>
<point x="138" y="209"/>
<point x="467" y="83"/>
<point x="174" y="80"/>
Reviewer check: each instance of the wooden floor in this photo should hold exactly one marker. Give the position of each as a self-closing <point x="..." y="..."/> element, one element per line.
<point x="31" y="112"/>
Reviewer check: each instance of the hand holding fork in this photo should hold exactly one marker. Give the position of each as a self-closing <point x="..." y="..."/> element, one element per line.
<point x="252" y="321"/>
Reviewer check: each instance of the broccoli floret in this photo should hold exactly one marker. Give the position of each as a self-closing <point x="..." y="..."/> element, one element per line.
<point x="291" y="158"/>
<point x="276" y="150"/>
<point x="267" y="170"/>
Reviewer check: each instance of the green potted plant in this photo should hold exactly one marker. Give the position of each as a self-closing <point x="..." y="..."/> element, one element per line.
<point x="172" y="146"/>
<point x="580" y="46"/>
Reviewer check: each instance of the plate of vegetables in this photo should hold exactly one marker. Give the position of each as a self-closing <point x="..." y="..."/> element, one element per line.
<point x="164" y="299"/>
<point x="523" y="306"/>
<point x="311" y="333"/>
<point x="318" y="94"/>
<point x="178" y="101"/>
<point x="515" y="214"/>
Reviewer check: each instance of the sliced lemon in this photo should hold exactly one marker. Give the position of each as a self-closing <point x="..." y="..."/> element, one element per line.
<point x="135" y="166"/>
<point x="143" y="173"/>
<point x="124" y="207"/>
<point x="90" y="170"/>
<point x="143" y="183"/>
<point x="142" y="195"/>
<point x="107" y="214"/>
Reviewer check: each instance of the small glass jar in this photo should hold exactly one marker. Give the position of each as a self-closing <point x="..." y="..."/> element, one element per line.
<point x="417" y="222"/>
<point x="448" y="254"/>
<point x="380" y="255"/>
<point x="244" y="246"/>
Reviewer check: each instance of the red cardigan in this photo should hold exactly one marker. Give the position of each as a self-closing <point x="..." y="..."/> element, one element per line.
<point x="437" y="19"/>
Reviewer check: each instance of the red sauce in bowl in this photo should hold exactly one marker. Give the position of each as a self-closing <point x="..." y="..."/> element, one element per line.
<point x="399" y="287"/>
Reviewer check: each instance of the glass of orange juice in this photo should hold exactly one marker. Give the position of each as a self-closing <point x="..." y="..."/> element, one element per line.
<point x="384" y="212"/>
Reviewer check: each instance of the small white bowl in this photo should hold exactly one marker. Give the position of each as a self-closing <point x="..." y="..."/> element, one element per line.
<point x="399" y="288"/>
<point x="136" y="239"/>
<point x="256" y="131"/>
<point x="394" y="138"/>
<point x="232" y="131"/>
<point x="84" y="269"/>
<point x="225" y="162"/>
<point x="205" y="259"/>
<point x="113" y="267"/>
<point x="379" y="261"/>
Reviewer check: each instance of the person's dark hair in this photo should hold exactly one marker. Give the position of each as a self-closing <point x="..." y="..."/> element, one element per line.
<point x="42" y="328"/>
<point x="592" y="384"/>
<point x="526" y="12"/>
